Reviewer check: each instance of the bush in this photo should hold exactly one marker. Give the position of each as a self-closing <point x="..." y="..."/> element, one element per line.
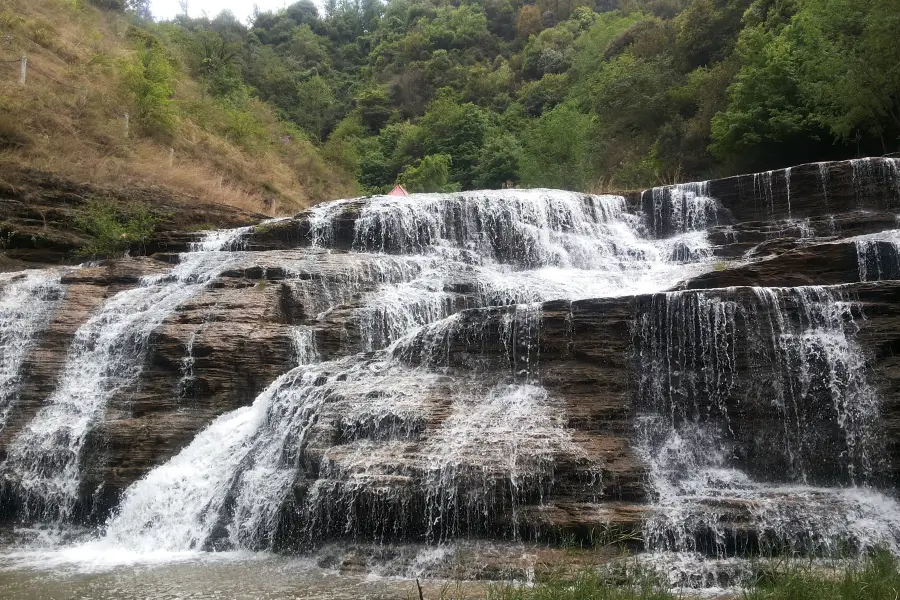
<point x="114" y="232"/>
<point x="431" y="174"/>
<point x="150" y="81"/>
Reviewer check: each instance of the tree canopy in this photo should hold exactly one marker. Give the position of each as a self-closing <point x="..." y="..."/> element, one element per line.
<point x="580" y="94"/>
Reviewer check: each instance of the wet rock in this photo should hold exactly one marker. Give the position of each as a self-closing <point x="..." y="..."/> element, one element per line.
<point x="217" y="351"/>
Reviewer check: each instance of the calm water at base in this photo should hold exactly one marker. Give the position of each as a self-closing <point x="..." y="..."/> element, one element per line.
<point x="33" y="576"/>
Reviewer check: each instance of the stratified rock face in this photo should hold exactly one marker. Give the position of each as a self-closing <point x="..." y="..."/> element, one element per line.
<point x="39" y="210"/>
<point x="710" y="366"/>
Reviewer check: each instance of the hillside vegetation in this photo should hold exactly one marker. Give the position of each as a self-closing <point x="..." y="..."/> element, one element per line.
<point x="305" y="104"/>
<point x="90" y="67"/>
<point x="579" y="94"/>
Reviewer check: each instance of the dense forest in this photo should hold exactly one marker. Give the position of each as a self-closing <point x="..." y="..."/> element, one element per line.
<point x="442" y="95"/>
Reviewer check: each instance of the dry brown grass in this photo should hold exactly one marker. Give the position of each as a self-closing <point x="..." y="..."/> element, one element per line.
<point x="69" y="118"/>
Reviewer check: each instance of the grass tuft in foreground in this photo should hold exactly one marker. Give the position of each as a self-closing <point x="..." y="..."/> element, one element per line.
<point x="877" y="578"/>
<point x="587" y="585"/>
<point x="874" y="578"/>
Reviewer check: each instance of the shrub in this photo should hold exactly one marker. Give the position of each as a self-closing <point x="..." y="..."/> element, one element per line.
<point x="431" y="174"/>
<point x="150" y="81"/>
<point x="114" y="232"/>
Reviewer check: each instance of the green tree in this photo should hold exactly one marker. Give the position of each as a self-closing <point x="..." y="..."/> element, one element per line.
<point x="850" y="65"/>
<point x="150" y="81"/>
<point x="707" y="29"/>
<point x="767" y="112"/>
<point x="544" y="94"/>
<point x="462" y="27"/>
<point x="549" y="52"/>
<point x="431" y="174"/>
<point x="374" y="108"/>
<point x="499" y="162"/>
<point x="557" y="150"/>
<point x="457" y="130"/>
<point x="315" y="105"/>
<point x="215" y="60"/>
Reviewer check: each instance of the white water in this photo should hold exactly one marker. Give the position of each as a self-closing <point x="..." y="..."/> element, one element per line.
<point x="505" y="247"/>
<point x="494" y="448"/>
<point x="106" y="356"/>
<point x="27" y="303"/>
<point x="764" y="189"/>
<point x="680" y="208"/>
<point x="878" y="255"/>
<point x="798" y="492"/>
<point x="869" y="173"/>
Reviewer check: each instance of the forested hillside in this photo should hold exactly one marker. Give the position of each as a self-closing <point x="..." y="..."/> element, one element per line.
<point x="577" y="94"/>
<point x="580" y="94"/>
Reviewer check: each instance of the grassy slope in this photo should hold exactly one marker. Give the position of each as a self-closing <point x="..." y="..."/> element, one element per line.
<point x="69" y="119"/>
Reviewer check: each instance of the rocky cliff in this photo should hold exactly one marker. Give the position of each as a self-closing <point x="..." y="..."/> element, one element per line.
<point x="396" y="389"/>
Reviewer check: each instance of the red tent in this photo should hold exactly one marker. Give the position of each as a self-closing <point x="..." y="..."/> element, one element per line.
<point x="399" y="191"/>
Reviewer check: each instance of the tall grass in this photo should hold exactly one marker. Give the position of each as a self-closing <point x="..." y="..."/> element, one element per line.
<point x="876" y="577"/>
<point x="587" y="585"/>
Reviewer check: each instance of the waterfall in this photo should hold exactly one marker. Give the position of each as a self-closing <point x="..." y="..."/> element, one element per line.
<point x="328" y="440"/>
<point x="878" y="256"/>
<point x="106" y="356"/>
<point x="797" y="471"/>
<point x="27" y="303"/>
<point x="177" y="506"/>
<point x="869" y="173"/>
<point x="680" y="208"/>
<point x="763" y="189"/>
<point x="824" y="180"/>
<point x="424" y="402"/>
<point x="496" y="450"/>
<point x="787" y="184"/>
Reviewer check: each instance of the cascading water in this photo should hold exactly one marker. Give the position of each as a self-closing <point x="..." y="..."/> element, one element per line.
<point x="105" y="358"/>
<point x="410" y="419"/>
<point x="799" y="469"/>
<point x="679" y="208"/>
<point x="234" y="482"/>
<point x="870" y="173"/>
<point x="878" y="256"/>
<point x="764" y="189"/>
<point x="27" y="303"/>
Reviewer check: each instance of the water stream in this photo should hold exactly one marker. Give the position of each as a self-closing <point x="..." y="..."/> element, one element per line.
<point x="106" y="356"/>
<point x="27" y="304"/>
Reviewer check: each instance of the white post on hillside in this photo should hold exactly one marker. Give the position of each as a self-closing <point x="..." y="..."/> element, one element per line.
<point x="23" y="69"/>
<point x="171" y="157"/>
